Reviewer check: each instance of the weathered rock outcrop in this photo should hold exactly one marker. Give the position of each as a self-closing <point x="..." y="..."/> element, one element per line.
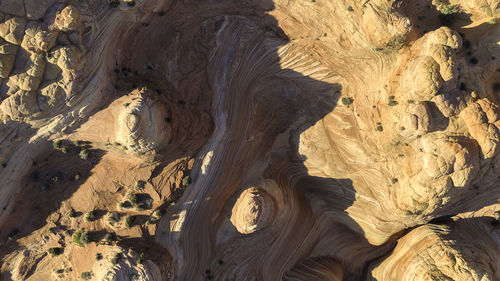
<point x="249" y="140"/>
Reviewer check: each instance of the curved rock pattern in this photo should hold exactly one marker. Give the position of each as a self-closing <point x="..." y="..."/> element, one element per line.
<point x="249" y="140"/>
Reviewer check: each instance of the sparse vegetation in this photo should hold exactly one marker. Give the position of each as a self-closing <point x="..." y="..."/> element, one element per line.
<point x="347" y="101"/>
<point x="132" y="197"/>
<point x="71" y="213"/>
<point x="392" y="102"/>
<point x="113" y="217"/>
<point x="139" y="260"/>
<point x="159" y="213"/>
<point x="186" y="181"/>
<point x="449" y="9"/>
<point x="55" y="251"/>
<point x="90" y="216"/>
<point x="114" y="3"/>
<point x="109" y="237"/>
<point x="57" y="144"/>
<point x="139" y="185"/>
<point x="80" y="238"/>
<point x="447" y="13"/>
<point x="86" y="275"/>
<point x="129" y="221"/>
<point x="116" y="258"/>
<point x="84" y="154"/>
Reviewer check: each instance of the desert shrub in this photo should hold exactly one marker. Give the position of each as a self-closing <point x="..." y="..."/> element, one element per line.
<point x="72" y="213"/>
<point x="449" y="9"/>
<point x="347" y="101"/>
<point x="116" y="258"/>
<point x="159" y="213"/>
<point x="57" y="144"/>
<point x="186" y="181"/>
<point x="80" y="238"/>
<point x="109" y="237"/>
<point x="392" y="102"/>
<point x="86" y="275"/>
<point x="84" y="154"/>
<point x="448" y="13"/>
<point x="55" y="251"/>
<point x="132" y="197"/>
<point x="129" y="221"/>
<point x="90" y="216"/>
<point x="139" y="185"/>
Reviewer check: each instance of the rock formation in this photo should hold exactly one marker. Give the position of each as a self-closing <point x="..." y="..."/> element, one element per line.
<point x="250" y="140"/>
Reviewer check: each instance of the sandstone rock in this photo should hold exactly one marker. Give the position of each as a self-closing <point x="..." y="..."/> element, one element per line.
<point x="140" y="126"/>
<point x="50" y="96"/>
<point x="22" y="104"/>
<point x="422" y="78"/>
<point x="12" y="30"/>
<point x="388" y="31"/>
<point x="458" y="251"/>
<point x="252" y="211"/>
<point x="38" y="38"/>
<point x="419" y="118"/>
<point x="450" y="103"/>
<point x="481" y="118"/>
<point x="68" y="19"/>
<point x="6" y="63"/>
<point x="66" y="57"/>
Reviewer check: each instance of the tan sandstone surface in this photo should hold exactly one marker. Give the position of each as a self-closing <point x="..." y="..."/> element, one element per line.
<point x="250" y="140"/>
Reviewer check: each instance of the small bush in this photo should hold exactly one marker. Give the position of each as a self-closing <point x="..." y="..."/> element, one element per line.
<point x="86" y="275"/>
<point x="347" y="101"/>
<point x="72" y="213"/>
<point x="109" y="237"/>
<point x="57" y="144"/>
<point x="350" y="9"/>
<point x="55" y="251"/>
<point x="449" y="9"/>
<point x="132" y="198"/>
<point x="84" y="154"/>
<point x="379" y="127"/>
<point x="98" y="256"/>
<point x="116" y="258"/>
<point x="186" y="181"/>
<point x="159" y="213"/>
<point x="81" y="238"/>
<point x="139" y="185"/>
<point x="90" y="216"/>
<point x="113" y="3"/>
<point x="129" y="221"/>
<point x="392" y="103"/>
